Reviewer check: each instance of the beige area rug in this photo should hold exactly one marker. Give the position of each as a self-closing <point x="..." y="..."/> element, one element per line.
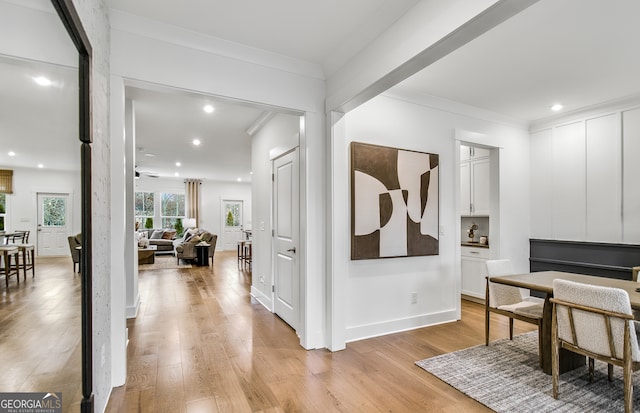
<point x="164" y="262"/>
<point x="506" y="377"/>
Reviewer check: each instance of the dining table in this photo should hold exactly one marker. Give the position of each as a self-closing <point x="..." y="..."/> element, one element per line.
<point x="543" y="281"/>
<point x="10" y="237"/>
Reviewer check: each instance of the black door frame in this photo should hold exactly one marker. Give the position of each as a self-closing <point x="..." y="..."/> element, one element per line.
<point x="71" y="21"/>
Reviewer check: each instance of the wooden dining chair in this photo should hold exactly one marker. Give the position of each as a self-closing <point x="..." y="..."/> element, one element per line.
<point x="508" y="301"/>
<point x="27" y="253"/>
<point x="596" y="322"/>
<point x="9" y="263"/>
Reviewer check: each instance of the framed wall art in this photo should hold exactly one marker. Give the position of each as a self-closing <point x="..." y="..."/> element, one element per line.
<point x="394" y="202"/>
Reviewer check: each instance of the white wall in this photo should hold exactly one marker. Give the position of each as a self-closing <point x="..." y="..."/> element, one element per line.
<point x="23" y="203"/>
<point x="279" y="135"/>
<point x="583" y="180"/>
<point x="213" y="192"/>
<point x="377" y="298"/>
<point x="50" y="43"/>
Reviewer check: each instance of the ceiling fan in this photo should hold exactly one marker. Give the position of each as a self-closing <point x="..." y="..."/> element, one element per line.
<point x="149" y="174"/>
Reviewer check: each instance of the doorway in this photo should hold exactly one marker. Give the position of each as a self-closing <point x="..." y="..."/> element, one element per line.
<point x="479" y="211"/>
<point x="53" y="224"/>
<point x="232" y="223"/>
<point x="286" y="224"/>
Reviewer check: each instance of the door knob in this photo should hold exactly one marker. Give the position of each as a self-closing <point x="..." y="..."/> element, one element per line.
<point x="292" y="250"/>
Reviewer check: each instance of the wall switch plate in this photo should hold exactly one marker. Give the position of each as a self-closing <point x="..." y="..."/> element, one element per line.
<point x="414" y="298"/>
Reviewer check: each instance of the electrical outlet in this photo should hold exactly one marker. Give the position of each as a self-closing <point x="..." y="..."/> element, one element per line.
<point x="261" y="279"/>
<point x="414" y="298"/>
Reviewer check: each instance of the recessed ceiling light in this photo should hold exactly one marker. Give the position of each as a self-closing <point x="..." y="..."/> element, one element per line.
<point x="11" y="153"/>
<point x="239" y="179"/>
<point x="196" y="142"/>
<point x="556" y="107"/>
<point x="150" y="155"/>
<point x="208" y="109"/>
<point x="176" y="174"/>
<point x="178" y="164"/>
<point x="42" y="81"/>
<point x="40" y="166"/>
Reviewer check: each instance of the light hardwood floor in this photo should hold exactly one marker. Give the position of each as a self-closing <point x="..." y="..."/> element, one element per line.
<point x="40" y="348"/>
<point x="201" y="344"/>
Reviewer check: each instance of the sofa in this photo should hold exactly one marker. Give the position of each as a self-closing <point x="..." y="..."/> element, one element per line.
<point x="185" y="247"/>
<point x="163" y="239"/>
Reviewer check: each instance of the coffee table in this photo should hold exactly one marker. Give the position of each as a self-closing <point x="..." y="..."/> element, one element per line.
<point x="147" y="255"/>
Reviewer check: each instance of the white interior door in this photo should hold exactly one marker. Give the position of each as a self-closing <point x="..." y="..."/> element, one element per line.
<point x="286" y="226"/>
<point x="53" y="224"/>
<point x="231" y="224"/>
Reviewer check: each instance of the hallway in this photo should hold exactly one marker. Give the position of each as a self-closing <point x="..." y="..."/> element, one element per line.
<point x="201" y="344"/>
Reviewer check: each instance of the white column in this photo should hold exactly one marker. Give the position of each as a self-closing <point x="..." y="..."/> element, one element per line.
<point x="118" y="302"/>
<point x="130" y="250"/>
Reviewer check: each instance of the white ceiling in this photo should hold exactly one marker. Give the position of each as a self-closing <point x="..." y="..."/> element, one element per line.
<point x="326" y="32"/>
<point x="167" y="121"/>
<point x="575" y="52"/>
<point x="38" y="123"/>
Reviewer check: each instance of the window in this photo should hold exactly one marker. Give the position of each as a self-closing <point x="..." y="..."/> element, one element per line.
<point x="3" y="210"/>
<point x="232" y="213"/>
<point x="54" y="211"/>
<point x="144" y="209"/>
<point x="172" y="209"/>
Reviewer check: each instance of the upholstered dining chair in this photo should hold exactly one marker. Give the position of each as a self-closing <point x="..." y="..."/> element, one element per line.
<point x="508" y="301"/>
<point x="596" y="322"/>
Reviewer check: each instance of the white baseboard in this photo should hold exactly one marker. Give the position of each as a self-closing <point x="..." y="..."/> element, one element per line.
<point x="262" y="298"/>
<point x="395" y="326"/>
<point x="132" y="311"/>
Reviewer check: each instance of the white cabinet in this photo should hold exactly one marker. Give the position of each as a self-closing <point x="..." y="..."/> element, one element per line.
<point x="474" y="181"/>
<point x="474" y="271"/>
<point x="631" y="189"/>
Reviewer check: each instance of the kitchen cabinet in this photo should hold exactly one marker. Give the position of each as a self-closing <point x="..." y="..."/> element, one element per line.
<point x="474" y="181"/>
<point x="474" y="271"/>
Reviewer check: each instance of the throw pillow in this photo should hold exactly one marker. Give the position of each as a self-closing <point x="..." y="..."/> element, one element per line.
<point x="169" y="234"/>
<point x="188" y="233"/>
<point x="157" y="234"/>
<point x="194" y="240"/>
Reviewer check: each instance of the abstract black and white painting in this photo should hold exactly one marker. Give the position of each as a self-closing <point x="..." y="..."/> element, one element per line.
<point x="394" y="202"/>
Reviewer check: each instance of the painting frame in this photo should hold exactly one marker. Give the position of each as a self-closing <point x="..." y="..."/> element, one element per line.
<point x="395" y="202"/>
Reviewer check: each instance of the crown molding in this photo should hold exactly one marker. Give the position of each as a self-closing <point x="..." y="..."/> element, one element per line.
<point x="619" y="104"/>
<point x="451" y="106"/>
<point x="153" y="29"/>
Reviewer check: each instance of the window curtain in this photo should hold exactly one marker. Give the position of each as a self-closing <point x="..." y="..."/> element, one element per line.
<point x="192" y="191"/>
<point x="6" y="181"/>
